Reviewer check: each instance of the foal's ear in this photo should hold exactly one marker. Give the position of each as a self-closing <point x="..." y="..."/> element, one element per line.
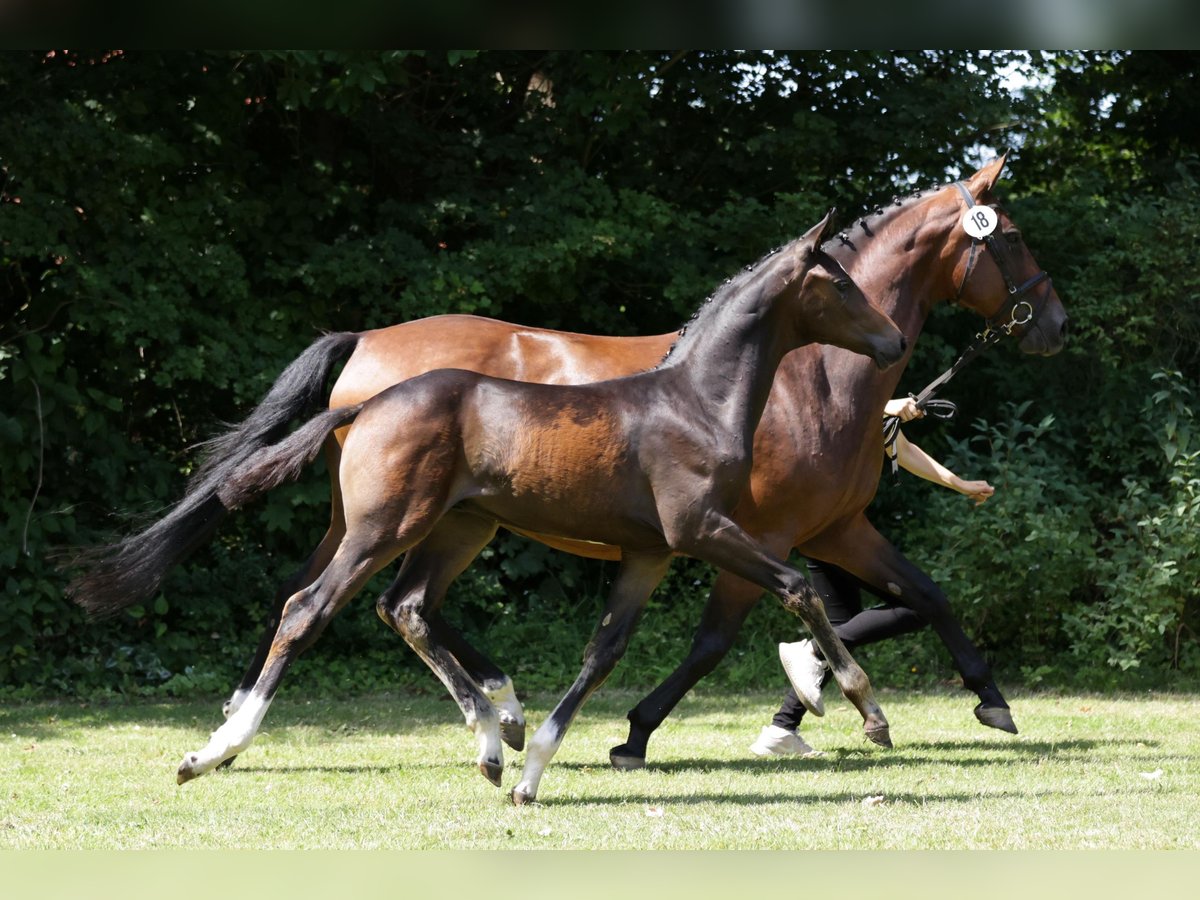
<point x="985" y="179"/>
<point x="817" y="235"/>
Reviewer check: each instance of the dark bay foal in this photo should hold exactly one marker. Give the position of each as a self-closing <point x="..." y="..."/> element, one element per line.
<point x="653" y="464"/>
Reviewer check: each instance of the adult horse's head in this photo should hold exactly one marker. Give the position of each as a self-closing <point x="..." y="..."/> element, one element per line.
<point x="828" y="307"/>
<point x="994" y="273"/>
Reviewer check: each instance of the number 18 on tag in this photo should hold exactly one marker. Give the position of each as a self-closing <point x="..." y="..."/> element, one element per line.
<point x="980" y="221"/>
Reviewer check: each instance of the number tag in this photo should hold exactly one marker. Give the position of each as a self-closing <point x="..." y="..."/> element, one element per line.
<point x="980" y="221"/>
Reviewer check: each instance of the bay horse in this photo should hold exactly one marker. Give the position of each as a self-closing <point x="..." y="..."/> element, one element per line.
<point x="653" y="464"/>
<point x="817" y="451"/>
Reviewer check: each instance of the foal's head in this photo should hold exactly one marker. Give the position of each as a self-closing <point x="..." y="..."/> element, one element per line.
<point x="822" y="304"/>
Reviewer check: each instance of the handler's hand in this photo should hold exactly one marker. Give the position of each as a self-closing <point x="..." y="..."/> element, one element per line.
<point x="978" y="491"/>
<point x="904" y="408"/>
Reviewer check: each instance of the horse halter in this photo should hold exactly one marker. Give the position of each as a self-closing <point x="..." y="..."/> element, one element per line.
<point x="1017" y="311"/>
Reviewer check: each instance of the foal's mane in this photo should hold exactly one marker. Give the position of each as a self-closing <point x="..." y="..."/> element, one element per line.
<point x="863" y="228"/>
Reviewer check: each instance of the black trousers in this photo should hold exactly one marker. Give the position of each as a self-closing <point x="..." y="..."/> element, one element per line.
<point x="841" y="593"/>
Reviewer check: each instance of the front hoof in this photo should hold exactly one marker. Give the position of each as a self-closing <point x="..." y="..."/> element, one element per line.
<point x="512" y="733"/>
<point x="625" y="759"/>
<point x="879" y="735"/>
<point x="996" y="717"/>
<point x="187" y="768"/>
<point x="492" y="771"/>
<point x="520" y="798"/>
<point x="226" y="763"/>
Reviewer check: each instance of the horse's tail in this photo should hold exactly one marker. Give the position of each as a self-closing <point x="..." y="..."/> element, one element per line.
<point x="130" y="570"/>
<point x="280" y="463"/>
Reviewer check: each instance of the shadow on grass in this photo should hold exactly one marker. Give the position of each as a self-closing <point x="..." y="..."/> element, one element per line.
<point x="45" y="721"/>
<point x="664" y="799"/>
<point x="955" y="754"/>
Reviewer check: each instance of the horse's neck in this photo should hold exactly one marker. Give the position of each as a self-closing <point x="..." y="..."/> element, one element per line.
<point x="857" y="389"/>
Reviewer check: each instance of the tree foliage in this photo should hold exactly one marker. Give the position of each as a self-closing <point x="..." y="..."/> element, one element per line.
<point x="175" y="228"/>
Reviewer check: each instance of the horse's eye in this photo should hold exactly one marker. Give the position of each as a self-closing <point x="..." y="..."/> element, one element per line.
<point x="842" y="285"/>
<point x="1013" y="237"/>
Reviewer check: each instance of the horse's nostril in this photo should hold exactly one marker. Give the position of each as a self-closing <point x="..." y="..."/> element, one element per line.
<point x="903" y="343"/>
<point x="1063" y="331"/>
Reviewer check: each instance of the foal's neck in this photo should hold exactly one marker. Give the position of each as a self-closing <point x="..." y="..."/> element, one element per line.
<point x="730" y="351"/>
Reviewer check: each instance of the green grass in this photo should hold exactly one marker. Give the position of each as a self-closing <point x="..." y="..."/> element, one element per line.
<point x="1086" y="772"/>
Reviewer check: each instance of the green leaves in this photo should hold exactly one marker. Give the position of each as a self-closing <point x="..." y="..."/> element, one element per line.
<point x="175" y="228"/>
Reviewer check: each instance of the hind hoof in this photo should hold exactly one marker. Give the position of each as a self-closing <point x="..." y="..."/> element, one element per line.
<point x="520" y="798"/>
<point x="880" y="736"/>
<point x="625" y="759"/>
<point x="513" y="734"/>
<point x="492" y="771"/>
<point x="996" y="717"/>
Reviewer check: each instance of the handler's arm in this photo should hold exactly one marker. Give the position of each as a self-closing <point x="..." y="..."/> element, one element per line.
<point x="913" y="459"/>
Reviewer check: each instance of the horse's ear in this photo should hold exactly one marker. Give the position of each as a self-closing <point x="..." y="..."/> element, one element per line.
<point x="985" y="179"/>
<point x="819" y="233"/>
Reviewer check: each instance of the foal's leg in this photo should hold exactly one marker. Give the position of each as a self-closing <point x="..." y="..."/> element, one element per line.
<point x="497" y="686"/>
<point x="410" y="607"/>
<point x="638" y="576"/>
<point x="313" y="567"/>
<point x="429" y="568"/>
<point x="305" y="616"/>
<point x="864" y="552"/>
<point x="724" y="543"/>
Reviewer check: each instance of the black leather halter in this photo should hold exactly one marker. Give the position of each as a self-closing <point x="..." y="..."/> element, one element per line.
<point x="1017" y="311"/>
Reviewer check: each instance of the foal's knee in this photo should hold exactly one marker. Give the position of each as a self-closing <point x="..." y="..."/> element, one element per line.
<point x="799" y="597"/>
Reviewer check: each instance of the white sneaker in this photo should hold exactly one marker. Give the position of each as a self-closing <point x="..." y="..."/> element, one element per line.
<point x="805" y="672"/>
<point x="776" y="741"/>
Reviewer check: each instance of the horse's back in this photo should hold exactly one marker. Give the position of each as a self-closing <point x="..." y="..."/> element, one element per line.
<point x="386" y="356"/>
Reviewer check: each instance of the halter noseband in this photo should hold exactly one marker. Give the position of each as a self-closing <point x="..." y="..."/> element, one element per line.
<point x="1017" y="311"/>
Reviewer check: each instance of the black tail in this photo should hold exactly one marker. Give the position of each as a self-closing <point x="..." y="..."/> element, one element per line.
<point x="282" y="462"/>
<point x="129" y="571"/>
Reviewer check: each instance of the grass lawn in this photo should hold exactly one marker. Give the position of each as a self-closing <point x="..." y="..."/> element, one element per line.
<point x="398" y="772"/>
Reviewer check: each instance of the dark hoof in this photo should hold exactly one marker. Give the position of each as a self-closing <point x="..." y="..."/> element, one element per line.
<point x="186" y="772"/>
<point x="880" y="736"/>
<point x="996" y="717"/>
<point x="625" y="759"/>
<point x="513" y="734"/>
<point x="227" y="763"/>
<point x="492" y="771"/>
<point x="520" y="798"/>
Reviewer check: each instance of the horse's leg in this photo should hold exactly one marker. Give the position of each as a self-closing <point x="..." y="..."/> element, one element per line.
<point x="304" y="617"/>
<point x="410" y="607"/>
<point x="724" y="543"/>
<point x="638" y="576"/>
<point x="729" y="602"/>
<point x="313" y="567"/>
<point x="864" y="552"/>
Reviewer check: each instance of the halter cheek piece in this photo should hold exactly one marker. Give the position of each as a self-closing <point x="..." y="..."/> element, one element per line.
<point x="1017" y="311"/>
